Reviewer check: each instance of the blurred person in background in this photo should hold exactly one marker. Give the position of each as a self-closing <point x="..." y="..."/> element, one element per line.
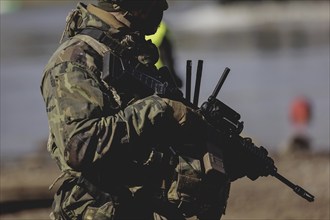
<point x="300" y="117"/>
<point x="126" y="144"/>
<point x="162" y="39"/>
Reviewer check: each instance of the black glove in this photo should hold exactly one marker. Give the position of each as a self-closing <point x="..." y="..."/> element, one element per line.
<point x="257" y="161"/>
<point x="243" y="158"/>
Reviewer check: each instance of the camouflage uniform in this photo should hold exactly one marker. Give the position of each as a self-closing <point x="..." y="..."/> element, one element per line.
<point x="103" y="132"/>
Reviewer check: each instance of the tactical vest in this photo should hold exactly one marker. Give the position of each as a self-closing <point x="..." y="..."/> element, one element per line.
<point x="98" y="40"/>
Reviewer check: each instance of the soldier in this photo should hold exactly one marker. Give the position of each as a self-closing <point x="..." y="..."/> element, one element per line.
<point x="118" y="130"/>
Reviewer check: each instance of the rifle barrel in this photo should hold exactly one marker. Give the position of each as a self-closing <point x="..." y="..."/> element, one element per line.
<point x="297" y="189"/>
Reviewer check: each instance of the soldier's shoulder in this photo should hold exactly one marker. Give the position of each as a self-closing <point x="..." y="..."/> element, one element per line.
<point x="76" y="52"/>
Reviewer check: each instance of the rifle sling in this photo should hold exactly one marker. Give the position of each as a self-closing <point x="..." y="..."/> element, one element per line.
<point x="121" y="51"/>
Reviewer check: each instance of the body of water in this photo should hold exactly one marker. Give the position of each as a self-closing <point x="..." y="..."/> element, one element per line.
<point x="266" y="75"/>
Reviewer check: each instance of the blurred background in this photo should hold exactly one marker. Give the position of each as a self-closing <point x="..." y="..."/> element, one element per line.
<point x="278" y="53"/>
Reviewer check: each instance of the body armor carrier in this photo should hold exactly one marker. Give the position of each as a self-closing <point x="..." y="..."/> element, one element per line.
<point x="132" y="64"/>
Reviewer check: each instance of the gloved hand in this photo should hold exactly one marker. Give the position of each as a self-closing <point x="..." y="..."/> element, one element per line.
<point x="183" y="114"/>
<point x="245" y="159"/>
<point x="258" y="162"/>
<point x="160" y="121"/>
<point x="191" y="123"/>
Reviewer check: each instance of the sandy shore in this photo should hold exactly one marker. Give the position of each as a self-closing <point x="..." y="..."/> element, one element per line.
<point x="265" y="198"/>
<point x="268" y="198"/>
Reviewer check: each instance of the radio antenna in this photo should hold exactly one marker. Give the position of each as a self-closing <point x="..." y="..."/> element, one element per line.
<point x="220" y="83"/>
<point x="188" y="80"/>
<point x="198" y="81"/>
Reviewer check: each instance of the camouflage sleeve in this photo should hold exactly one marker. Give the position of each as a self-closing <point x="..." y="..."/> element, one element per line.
<point x="82" y="127"/>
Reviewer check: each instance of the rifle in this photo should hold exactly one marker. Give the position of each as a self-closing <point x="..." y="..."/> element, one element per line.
<point x="227" y="123"/>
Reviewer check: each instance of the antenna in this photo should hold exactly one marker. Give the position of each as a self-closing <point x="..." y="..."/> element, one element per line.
<point x="188" y="80"/>
<point x="198" y="81"/>
<point x="220" y="83"/>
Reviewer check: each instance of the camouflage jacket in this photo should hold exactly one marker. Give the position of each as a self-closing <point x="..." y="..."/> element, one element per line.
<point x="93" y="124"/>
